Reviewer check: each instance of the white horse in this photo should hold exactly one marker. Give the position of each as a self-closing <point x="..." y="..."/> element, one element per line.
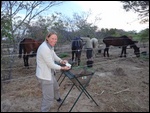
<point x="94" y="42"/>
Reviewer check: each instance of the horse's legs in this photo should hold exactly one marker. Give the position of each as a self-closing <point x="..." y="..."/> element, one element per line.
<point x="106" y="50"/>
<point x="78" y="61"/>
<point x="79" y="56"/>
<point x="25" y="58"/>
<point x="125" y="48"/>
<point x="76" y="57"/>
<point x="94" y="52"/>
<point x="73" y="55"/>
<point x="123" y="51"/>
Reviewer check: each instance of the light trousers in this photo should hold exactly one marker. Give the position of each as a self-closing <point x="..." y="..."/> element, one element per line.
<point x="50" y="91"/>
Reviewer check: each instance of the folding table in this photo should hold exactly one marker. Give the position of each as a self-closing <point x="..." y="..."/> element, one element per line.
<point x="80" y="81"/>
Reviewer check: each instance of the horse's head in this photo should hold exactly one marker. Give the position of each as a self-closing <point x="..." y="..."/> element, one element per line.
<point x="137" y="51"/>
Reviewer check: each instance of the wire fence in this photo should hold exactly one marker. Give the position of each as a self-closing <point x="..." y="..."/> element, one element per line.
<point x="73" y="68"/>
<point x="64" y="51"/>
<point x="68" y="50"/>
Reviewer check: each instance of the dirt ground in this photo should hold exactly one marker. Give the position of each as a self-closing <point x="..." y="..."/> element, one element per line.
<point x="118" y="85"/>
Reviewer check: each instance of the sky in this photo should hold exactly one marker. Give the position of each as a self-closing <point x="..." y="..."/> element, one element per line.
<point x="111" y="13"/>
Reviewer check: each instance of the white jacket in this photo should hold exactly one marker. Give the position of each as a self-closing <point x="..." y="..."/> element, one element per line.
<point x="45" y="60"/>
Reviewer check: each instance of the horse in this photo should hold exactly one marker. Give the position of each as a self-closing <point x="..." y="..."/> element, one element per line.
<point x="29" y="47"/>
<point x="123" y="42"/>
<point x="94" y="42"/>
<point x="76" y="47"/>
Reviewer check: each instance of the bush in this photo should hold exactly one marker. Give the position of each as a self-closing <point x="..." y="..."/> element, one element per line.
<point x="63" y="55"/>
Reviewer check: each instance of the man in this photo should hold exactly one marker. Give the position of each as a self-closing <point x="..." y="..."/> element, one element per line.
<point x="89" y="50"/>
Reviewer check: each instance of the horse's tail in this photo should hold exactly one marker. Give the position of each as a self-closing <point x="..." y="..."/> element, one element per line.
<point x="93" y="44"/>
<point x="20" y="49"/>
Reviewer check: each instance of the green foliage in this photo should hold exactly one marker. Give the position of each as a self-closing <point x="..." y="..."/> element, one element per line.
<point x="141" y="7"/>
<point x="144" y="35"/>
<point x="144" y="57"/>
<point x="5" y="26"/>
<point x="63" y="55"/>
<point x="11" y="9"/>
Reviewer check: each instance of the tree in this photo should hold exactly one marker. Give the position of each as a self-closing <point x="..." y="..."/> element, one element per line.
<point x="144" y="36"/>
<point x="11" y="21"/>
<point x="11" y="9"/>
<point x="82" y="26"/>
<point x="141" y="7"/>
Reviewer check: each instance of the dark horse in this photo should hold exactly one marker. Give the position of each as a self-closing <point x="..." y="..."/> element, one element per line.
<point x="123" y="42"/>
<point x="29" y="47"/>
<point x="76" y="49"/>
